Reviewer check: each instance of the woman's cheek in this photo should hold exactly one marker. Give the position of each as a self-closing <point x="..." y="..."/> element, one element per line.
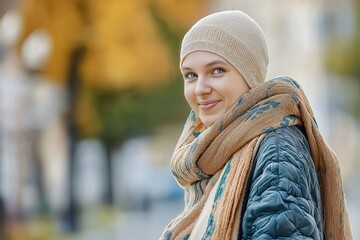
<point x="190" y="96"/>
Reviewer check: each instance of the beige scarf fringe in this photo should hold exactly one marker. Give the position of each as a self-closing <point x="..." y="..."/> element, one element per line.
<point x="212" y="164"/>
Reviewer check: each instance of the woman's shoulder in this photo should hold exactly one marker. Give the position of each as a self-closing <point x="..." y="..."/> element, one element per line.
<point x="285" y="152"/>
<point x="291" y="134"/>
<point x="290" y="140"/>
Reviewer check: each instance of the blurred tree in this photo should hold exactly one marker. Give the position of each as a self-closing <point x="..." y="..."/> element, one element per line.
<point x="118" y="59"/>
<point x="71" y="215"/>
<point x="124" y="48"/>
<point x="129" y="70"/>
<point x="130" y="47"/>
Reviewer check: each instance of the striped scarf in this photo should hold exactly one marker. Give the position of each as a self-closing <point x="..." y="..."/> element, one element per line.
<point x="212" y="164"/>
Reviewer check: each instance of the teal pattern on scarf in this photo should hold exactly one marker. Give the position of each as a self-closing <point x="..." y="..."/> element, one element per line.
<point x="219" y="192"/>
<point x="288" y="121"/>
<point x="259" y="109"/>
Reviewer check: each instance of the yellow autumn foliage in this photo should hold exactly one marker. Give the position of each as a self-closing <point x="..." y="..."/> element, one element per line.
<point x="125" y="49"/>
<point x="62" y="20"/>
<point x="181" y="14"/>
<point x="124" y="44"/>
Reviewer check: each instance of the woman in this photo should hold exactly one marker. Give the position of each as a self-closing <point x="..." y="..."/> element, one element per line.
<point x="250" y="159"/>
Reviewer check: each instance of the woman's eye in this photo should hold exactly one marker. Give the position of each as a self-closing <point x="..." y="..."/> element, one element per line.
<point x="218" y="70"/>
<point x="189" y="75"/>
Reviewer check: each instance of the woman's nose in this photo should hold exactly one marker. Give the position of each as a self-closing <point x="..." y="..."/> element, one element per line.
<point x="202" y="86"/>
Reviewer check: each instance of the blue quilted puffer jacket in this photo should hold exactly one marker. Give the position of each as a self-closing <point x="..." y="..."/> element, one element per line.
<point x="283" y="200"/>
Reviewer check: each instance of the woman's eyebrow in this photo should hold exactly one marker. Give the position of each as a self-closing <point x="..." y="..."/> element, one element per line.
<point x="215" y="62"/>
<point x="185" y="68"/>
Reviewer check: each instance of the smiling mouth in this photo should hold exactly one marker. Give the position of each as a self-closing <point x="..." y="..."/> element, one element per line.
<point x="208" y="105"/>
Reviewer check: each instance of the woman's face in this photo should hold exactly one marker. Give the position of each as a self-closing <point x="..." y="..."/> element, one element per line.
<point x="211" y="85"/>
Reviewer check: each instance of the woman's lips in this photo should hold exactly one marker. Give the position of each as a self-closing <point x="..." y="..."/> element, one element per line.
<point x="207" y="105"/>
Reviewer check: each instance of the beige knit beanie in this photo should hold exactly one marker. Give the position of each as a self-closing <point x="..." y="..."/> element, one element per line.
<point x="234" y="36"/>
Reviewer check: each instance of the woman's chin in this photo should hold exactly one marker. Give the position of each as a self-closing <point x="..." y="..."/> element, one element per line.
<point x="209" y="120"/>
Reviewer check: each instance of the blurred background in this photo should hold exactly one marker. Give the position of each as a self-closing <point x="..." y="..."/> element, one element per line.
<point x="91" y="106"/>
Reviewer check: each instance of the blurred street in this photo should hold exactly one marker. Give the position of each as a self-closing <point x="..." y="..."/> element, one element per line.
<point x="141" y="225"/>
<point x="136" y="225"/>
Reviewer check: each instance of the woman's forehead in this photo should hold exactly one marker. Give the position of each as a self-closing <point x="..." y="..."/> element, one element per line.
<point x="202" y="58"/>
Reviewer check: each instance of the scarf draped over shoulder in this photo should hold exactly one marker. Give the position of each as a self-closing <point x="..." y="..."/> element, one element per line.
<point x="212" y="164"/>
